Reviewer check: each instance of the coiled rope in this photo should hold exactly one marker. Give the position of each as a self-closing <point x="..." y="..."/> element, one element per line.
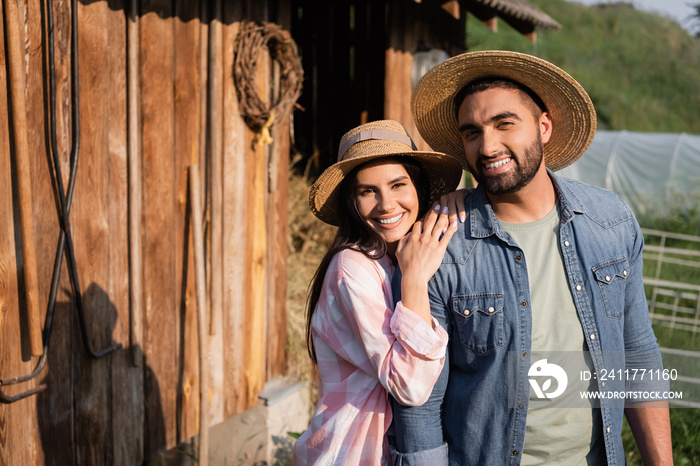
<point x="251" y="40"/>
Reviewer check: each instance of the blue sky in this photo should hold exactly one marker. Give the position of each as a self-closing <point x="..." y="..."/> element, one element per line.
<point x="676" y="9"/>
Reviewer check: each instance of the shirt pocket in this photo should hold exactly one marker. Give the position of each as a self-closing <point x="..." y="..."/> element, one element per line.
<point x="478" y="320"/>
<point x="611" y="278"/>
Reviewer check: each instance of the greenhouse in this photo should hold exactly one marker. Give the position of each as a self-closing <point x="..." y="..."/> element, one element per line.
<point x="651" y="171"/>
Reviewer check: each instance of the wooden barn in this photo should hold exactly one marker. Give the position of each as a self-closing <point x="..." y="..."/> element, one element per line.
<point x="145" y="153"/>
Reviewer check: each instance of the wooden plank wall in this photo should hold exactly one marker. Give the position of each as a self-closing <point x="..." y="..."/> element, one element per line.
<point x="110" y="411"/>
<point x="441" y="25"/>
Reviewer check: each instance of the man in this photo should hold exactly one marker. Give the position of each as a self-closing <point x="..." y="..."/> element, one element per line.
<point x="541" y="288"/>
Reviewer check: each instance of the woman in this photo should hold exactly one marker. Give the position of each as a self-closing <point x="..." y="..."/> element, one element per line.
<point x="366" y="345"/>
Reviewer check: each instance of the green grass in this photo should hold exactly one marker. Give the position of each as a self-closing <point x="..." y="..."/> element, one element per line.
<point x="681" y="217"/>
<point x="685" y="432"/>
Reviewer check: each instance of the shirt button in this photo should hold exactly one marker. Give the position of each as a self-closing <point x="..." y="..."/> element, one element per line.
<point x="578" y="287"/>
<point x="491" y="309"/>
<point x="524" y="303"/>
<point x="521" y="406"/>
<point x="607" y="278"/>
<point x="467" y="312"/>
<point x="566" y="243"/>
<point x="607" y="430"/>
<point x="518" y="257"/>
<point x="602" y="384"/>
<point x="516" y="452"/>
<point x="624" y="272"/>
<point x="524" y="354"/>
<point x="592" y="336"/>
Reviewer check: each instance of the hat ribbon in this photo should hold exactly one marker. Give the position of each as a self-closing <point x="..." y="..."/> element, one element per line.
<point x="375" y="134"/>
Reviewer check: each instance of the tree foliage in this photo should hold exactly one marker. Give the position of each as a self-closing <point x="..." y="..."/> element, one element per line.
<point x="696" y="18"/>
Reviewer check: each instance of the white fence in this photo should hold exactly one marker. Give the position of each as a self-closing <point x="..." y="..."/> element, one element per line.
<point x="674" y="302"/>
<point x="672" y="280"/>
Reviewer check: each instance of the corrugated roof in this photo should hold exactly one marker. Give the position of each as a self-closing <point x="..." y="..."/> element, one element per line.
<point x="521" y="10"/>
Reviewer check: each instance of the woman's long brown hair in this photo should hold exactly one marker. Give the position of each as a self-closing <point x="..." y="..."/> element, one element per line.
<point x="353" y="233"/>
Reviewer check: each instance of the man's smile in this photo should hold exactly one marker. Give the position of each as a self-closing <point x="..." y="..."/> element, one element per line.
<point x="493" y="165"/>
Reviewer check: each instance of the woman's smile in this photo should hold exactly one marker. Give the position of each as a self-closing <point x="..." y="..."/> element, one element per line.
<point x="390" y="221"/>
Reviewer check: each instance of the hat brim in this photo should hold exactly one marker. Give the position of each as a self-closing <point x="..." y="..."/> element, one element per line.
<point x="569" y="106"/>
<point x="443" y="172"/>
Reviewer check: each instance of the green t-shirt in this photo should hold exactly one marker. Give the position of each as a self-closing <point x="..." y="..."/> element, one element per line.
<point x="563" y="430"/>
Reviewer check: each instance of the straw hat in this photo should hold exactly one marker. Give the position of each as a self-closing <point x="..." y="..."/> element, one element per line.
<point x="568" y="104"/>
<point x="371" y="141"/>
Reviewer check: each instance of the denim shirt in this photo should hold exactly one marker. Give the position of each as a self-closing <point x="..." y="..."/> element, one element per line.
<point x="481" y="295"/>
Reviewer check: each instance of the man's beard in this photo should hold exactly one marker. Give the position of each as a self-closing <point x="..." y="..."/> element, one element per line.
<point x="525" y="167"/>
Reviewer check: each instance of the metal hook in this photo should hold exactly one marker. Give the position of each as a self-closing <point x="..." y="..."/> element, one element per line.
<point x="65" y="241"/>
<point x="11" y="399"/>
<point x="47" y="335"/>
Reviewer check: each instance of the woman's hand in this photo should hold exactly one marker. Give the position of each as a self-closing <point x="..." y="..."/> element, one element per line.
<point x="453" y="204"/>
<point x="420" y="254"/>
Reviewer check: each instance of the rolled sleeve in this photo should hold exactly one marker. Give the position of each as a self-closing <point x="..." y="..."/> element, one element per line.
<point x="646" y="374"/>
<point x="433" y="457"/>
<point x="418" y="336"/>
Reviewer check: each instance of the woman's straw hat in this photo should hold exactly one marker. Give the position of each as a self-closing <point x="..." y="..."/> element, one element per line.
<point x="371" y="141"/>
<point x="572" y="112"/>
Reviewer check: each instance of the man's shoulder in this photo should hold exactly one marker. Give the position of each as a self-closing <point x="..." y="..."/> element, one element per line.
<point x="587" y="190"/>
<point x="598" y="203"/>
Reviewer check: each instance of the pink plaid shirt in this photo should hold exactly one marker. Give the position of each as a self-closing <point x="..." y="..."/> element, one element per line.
<point x="365" y="348"/>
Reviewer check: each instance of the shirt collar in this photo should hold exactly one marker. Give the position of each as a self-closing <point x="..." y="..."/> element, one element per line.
<point x="483" y="221"/>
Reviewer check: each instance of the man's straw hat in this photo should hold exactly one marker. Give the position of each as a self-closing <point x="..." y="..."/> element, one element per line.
<point x="371" y="141"/>
<point x="571" y="110"/>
